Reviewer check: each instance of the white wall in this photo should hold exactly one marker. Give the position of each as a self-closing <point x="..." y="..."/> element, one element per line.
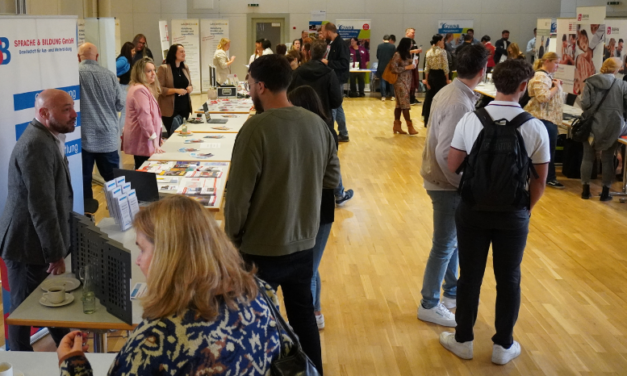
<point x="569" y="7"/>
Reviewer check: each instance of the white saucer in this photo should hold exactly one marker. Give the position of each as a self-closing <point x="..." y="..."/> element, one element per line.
<point x="67" y="282"/>
<point x="69" y="298"/>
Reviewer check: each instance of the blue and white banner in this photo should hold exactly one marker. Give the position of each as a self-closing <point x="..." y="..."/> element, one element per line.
<point x="37" y="53"/>
<point x="455" y="27"/>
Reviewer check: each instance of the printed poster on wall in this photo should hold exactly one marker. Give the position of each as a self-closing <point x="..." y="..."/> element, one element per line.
<point x="590" y="44"/>
<point x="187" y="33"/>
<point x="543" y="37"/>
<point x="314" y="28"/>
<point x="456" y="27"/>
<point x="359" y="29"/>
<point x="211" y="31"/>
<point x="80" y="31"/>
<point x="615" y="37"/>
<point x="566" y="47"/>
<point x="164" y="38"/>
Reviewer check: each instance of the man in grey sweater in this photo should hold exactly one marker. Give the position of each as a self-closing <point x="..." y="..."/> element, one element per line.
<point x="282" y="159"/>
<point x="101" y="100"/>
<point x="448" y="107"/>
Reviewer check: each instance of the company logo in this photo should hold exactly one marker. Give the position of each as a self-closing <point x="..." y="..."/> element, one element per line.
<point x="449" y="26"/>
<point x="5" y="54"/>
<point x="366" y="27"/>
<point x="609" y="30"/>
<point x="579" y="17"/>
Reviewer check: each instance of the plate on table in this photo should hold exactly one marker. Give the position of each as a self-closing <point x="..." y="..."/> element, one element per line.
<point x="69" y="298"/>
<point x="68" y="283"/>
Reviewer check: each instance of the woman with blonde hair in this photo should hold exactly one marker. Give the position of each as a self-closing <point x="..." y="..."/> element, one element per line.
<point x="222" y="62"/>
<point x="608" y="124"/>
<point x="142" y="127"/>
<point x="546" y="104"/>
<point x="203" y="312"/>
<point x="513" y="52"/>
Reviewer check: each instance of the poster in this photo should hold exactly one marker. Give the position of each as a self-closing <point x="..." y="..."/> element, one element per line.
<point x="359" y="29"/>
<point x="589" y="44"/>
<point x="164" y="37"/>
<point x="187" y="33"/>
<point x="80" y="31"/>
<point x="566" y="47"/>
<point x="211" y="31"/>
<point x="456" y="27"/>
<point x="314" y="28"/>
<point x="615" y="37"/>
<point x="543" y="37"/>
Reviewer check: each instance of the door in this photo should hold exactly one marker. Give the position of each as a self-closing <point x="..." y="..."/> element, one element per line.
<point x="272" y="27"/>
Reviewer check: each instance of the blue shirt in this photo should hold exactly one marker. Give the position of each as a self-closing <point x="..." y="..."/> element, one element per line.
<point x="122" y="65"/>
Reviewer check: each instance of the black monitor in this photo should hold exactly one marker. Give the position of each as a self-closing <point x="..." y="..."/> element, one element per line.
<point x="144" y="183"/>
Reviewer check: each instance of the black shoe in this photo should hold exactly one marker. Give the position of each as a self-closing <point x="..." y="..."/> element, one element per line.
<point x="348" y="194"/>
<point x="585" y="194"/>
<point x="555" y="184"/>
<point x="341" y="138"/>
<point x="605" y="195"/>
<point x="362" y="95"/>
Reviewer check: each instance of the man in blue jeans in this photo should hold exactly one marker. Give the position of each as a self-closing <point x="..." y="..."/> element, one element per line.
<point x="385" y="52"/>
<point x="448" y="107"/>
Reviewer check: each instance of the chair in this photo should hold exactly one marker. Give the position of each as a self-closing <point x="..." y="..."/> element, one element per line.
<point x="373" y="77"/>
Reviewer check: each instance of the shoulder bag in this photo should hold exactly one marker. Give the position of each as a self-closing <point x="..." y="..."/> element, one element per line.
<point x="582" y="126"/>
<point x="388" y="75"/>
<point x="296" y="362"/>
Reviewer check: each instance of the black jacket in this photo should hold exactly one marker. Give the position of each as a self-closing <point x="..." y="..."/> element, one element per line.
<point x="339" y="58"/>
<point x="323" y="80"/>
<point x="385" y="52"/>
<point x="500" y="49"/>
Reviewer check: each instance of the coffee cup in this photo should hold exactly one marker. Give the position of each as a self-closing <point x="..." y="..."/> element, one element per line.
<point x="6" y="369"/>
<point x="55" y="295"/>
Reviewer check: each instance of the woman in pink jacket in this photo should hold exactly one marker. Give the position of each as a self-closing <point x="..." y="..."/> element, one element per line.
<point x="142" y="126"/>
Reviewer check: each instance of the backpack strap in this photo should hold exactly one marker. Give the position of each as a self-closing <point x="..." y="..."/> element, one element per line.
<point x="520" y="119"/>
<point x="484" y="117"/>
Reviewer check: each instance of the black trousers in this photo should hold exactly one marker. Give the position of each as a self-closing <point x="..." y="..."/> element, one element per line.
<point x="360" y="79"/>
<point x="507" y="232"/>
<point x="139" y="160"/>
<point x="167" y="120"/>
<point x="23" y="280"/>
<point x="437" y="80"/>
<point x="293" y="273"/>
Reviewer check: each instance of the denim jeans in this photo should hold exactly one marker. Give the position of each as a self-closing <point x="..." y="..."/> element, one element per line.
<point x="386" y="88"/>
<point x="340" y="117"/>
<point x="339" y="191"/>
<point x="507" y="232"/>
<point x="443" y="261"/>
<point x="293" y="273"/>
<point x="321" y="242"/>
<point x="106" y="162"/>
<point x="552" y="129"/>
<point x="23" y="280"/>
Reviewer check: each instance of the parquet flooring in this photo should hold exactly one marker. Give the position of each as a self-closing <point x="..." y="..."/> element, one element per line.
<point x="573" y="317"/>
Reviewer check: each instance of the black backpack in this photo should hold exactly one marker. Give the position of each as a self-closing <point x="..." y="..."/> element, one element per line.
<point x="497" y="170"/>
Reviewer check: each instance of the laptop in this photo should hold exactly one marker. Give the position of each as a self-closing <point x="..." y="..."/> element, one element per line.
<point x="144" y="184"/>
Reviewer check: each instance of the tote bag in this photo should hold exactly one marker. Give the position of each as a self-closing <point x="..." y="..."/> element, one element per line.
<point x="388" y="75"/>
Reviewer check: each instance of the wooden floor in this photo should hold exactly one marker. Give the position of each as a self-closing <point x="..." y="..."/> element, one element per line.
<point x="573" y="317"/>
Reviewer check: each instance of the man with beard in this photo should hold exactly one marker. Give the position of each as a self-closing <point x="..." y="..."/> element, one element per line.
<point x="415" y="81"/>
<point x="337" y="57"/>
<point x="282" y="159"/>
<point x="34" y="226"/>
<point x="501" y="46"/>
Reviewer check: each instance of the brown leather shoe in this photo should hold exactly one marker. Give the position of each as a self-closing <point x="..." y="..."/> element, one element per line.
<point x="410" y="127"/>
<point x="397" y="127"/>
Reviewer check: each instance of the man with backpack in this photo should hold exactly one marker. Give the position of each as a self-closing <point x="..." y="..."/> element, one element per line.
<point x="504" y="176"/>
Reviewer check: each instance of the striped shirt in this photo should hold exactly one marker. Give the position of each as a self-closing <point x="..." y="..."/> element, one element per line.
<point x="101" y="100"/>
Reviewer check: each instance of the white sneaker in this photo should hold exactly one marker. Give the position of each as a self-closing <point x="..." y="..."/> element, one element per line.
<point x="449" y="303"/>
<point x="437" y="315"/>
<point x="462" y="350"/>
<point x="501" y="355"/>
<point x="393" y="99"/>
<point x="382" y="99"/>
<point x="320" y="321"/>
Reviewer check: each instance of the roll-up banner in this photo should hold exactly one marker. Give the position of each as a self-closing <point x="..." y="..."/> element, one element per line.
<point x="456" y="27"/>
<point x="211" y="31"/>
<point x="566" y="48"/>
<point x="187" y="33"/>
<point x="164" y="36"/>
<point x="590" y="44"/>
<point x="36" y="53"/>
<point x="615" y="37"/>
<point x="543" y="37"/>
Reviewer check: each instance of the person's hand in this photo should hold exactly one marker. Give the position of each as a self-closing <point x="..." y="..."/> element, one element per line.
<point x="410" y="67"/>
<point x="161" y="142"/>
<point x="190" y="89"/>
<point x="418" y="51"/>
<point x="57" y="268"/>
<point x="232" y="58"/>
<point x="325" y="61"/>
<point x="158" y="150"/>
<point x="181" y="91"/>
<point x="424" y="82"/>
<point x="557" y="83"/>
<point x="73" y="341"/>
<point x="448" y="81"/>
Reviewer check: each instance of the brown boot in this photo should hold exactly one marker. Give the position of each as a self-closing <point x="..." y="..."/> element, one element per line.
<point x="397" y="127"/>
<point x="410" y="127"/>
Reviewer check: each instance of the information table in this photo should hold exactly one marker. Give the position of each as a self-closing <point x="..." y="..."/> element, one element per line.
<point x="234" y="123"/>
<point x="32" y="313"/>
<point x="229" y="106"/>
<point x="47" y="363"/>
<point x="175" y="150"/>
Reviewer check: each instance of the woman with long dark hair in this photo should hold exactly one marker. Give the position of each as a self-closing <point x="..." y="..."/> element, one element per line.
<point x="402" y="65"/>
<point x="176" y="86"/>
<point x="123" y="67"/>
<point x="306" y="97"/>
<point x="436" y="73"/>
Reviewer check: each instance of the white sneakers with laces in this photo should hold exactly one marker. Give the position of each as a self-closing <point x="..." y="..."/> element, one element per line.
<point x="438" y="315"/>
<point x="501" y="355"/>
<point x="449" y="303"/>
<point x="320" y="321"/>
<point x="463" y="350"/>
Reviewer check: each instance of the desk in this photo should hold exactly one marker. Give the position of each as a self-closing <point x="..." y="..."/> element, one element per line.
<point x="221" y="151"/>
<point x="230" y="106"/>
<point x="47" y="363"/>
<point x="234" y="124"/>
<point x="31" y="313"/>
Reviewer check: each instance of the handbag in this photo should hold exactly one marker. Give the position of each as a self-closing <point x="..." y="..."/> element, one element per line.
<point x="582" y="126"/>
<point x="296" y="362"/>
<point x="388" y="75"/>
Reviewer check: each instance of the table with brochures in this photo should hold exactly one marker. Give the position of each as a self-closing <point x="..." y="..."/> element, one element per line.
<point x="229" y="106"/>
<point x="47" y="363"/>
<point x="221" y="123"/>
<point x="209" y="150"/>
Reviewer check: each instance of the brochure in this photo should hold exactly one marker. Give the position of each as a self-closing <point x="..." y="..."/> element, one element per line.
<point x="198" y="186"/>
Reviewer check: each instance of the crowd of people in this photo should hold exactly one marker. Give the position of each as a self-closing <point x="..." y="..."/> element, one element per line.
<point x="211" y="292"/>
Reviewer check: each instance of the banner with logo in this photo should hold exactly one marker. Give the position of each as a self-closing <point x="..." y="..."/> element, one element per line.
<point x="211" y="31"/>
<point x="615" y="37"/>
<point x="187" y="33"/>
<point x="590" y="44"/>
<point x="359" y="29"/>
<point x="456" y="27"/>
<point x="543" y="37"/>
<point x="36" y="54"/>
<point x="314" y="28"/>
<point x="164" y="36"/>
<point x="566" y="48"/>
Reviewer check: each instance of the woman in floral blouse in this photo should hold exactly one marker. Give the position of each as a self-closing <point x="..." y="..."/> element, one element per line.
<point x="546" y="104"/>
<point x="203" y="312"/>
<point x="402" y="65"/>
<point x="436" y="73"/>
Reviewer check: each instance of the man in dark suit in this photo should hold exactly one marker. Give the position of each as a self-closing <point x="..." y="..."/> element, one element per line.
<point x="501" y="46"/>
<point x="35" y="227"/>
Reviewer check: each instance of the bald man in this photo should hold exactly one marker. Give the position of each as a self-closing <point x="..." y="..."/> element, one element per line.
<point x="101" y="100"/>
<point x="35" y="227"/>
